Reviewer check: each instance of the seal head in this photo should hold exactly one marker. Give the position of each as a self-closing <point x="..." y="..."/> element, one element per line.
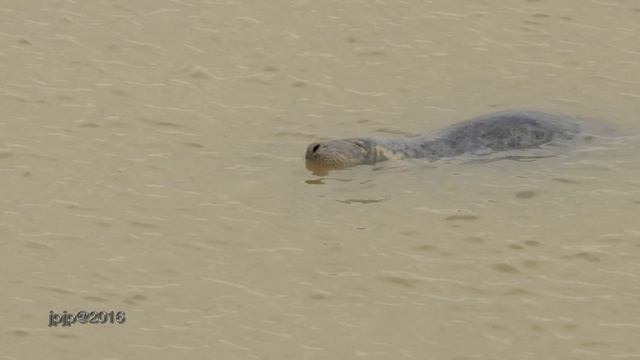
<point x="342" y="153"/>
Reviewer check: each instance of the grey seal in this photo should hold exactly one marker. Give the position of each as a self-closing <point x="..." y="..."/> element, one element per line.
<point x="499" y="131"/>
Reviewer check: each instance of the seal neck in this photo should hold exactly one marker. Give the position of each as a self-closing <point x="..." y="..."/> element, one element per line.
<point x="424" y="146"/>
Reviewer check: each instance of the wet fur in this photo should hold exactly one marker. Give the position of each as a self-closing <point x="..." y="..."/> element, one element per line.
<point x="501" y="131"/>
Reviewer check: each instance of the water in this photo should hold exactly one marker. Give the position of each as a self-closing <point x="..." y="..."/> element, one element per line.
<point x="151" y="161"/>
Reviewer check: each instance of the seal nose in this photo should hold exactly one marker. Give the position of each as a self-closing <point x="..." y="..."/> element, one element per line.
<point x="312" y="149"/>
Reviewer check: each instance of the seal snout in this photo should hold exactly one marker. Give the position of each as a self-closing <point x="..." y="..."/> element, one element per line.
<point x="312" y="149"/>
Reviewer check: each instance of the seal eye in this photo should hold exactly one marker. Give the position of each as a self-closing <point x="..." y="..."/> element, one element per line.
<point x="360" y="145"/>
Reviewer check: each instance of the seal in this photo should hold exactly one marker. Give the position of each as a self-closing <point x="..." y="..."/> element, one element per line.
<point x="500" y="131"/>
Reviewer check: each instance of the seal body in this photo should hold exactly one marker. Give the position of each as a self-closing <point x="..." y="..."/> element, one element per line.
<point x="500" y="131"/>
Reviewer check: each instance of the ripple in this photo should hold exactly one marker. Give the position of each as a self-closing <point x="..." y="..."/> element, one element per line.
<point x="505" y="268"/>
<point x="461" y="218"/>
<point x="397" y="280"/>
<point x="527" y="194"/>
<point x="361" y="201"/>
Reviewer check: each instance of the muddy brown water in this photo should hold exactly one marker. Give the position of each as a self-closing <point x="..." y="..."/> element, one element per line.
<point x="151" y="162"/>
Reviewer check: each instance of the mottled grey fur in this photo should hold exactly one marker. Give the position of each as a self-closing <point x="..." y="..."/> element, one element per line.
<point x="505" y="130"/>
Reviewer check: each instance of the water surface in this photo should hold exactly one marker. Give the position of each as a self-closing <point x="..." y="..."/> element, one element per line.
<point x="151" y="161"/>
